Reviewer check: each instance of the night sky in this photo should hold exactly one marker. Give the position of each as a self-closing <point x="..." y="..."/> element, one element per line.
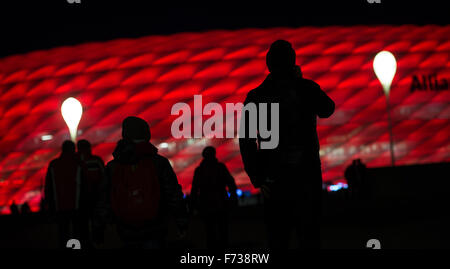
<point x="41" y="25"/>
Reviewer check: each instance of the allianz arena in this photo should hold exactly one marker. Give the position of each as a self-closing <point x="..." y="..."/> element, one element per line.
<point x="146" y="76"/>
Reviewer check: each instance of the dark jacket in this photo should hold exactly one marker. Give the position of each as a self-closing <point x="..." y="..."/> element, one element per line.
<point x="94" y="168"/>
<point x="209" y="186"/>
<point x="65" y="185"/>
<point x="171" y="203"/>
<point x="300" y="102"/>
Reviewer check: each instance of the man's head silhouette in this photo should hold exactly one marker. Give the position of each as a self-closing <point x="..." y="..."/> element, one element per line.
<point x="281" y="57"/>
<point x="84" y="147"/>
<point x="209" y="153"/>
<point x="135" y="129"/>
<point x="68" y="147"/>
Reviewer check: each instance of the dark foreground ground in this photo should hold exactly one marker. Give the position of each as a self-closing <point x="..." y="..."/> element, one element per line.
<point x="404" y="207"/>
<point x="347" y="224"/>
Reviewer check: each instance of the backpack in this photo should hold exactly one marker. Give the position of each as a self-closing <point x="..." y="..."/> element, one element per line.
<point x="135" y="192"/>
<point x="94" y="174"/>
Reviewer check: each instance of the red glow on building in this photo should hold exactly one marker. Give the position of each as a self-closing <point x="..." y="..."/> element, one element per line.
<point x="146" y="76"/>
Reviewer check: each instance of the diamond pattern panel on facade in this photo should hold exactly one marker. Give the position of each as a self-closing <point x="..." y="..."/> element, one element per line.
<point x="146" y="76"/>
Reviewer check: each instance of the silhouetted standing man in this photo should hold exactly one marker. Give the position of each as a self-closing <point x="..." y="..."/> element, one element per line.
<point x="95" y="174"/>
<point x="290" y="175"/>
<point x="209" y="195"/>
<point x="64" y="192"/>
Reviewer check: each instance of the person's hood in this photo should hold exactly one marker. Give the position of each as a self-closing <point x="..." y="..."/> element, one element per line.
<point x="67" y="156"/>
<point x="208" y="161"/>
<point x="273" y="81"/>
<point x="131" y="152"/>
<point x="284" y="76"/>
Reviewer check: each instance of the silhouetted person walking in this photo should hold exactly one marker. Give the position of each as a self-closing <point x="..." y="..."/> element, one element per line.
<point x="14" y="209"/>
<point x="25" y="209"/>
<point x="64" y="193"/>
<point x="355" y="175"/>
<point x="209" y="195"/>
<point x="290" y="175"/>
<point x="95" y="174"/>
<point x="141" y="190"/>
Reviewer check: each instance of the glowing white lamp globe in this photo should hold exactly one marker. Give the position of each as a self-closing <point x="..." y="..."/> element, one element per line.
<point x="71" y="111"/>
<point x="385" y="67"/>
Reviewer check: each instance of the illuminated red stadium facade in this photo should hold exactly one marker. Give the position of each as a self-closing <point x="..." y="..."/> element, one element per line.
<point x="146" y="76"/>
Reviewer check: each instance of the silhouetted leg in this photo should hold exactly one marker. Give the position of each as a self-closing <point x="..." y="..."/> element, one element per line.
<point x="278" y="222"/>
<point x="63" y="221"/>
<point x="308" y="226"/>
<point x="85" y="229"/>
<point x="310" y="210"/>
<point x="81" y="229"/>
<point x="223" y="229"/>
<point x="210" y="226"/>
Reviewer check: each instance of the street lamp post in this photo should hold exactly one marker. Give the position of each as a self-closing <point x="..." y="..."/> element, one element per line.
<point x="385" y="66"/>
<point x="71" y="111"/>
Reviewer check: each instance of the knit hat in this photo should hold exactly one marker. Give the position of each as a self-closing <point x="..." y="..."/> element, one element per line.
<point x="134" y="128"/>
<point x="280" y="57"/>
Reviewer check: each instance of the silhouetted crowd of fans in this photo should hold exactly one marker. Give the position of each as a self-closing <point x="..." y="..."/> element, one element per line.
<point x="24" y="209"/>
<point x="139" y="191"/>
